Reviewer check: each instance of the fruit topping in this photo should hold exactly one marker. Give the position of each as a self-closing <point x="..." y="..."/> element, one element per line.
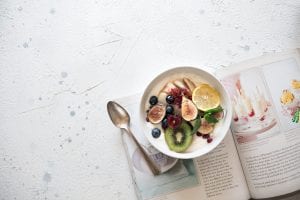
<point x="169" y="109"/>
<point x="209" y="140"/>
<point x="180" y="139"/>
<point x="219" y="115"/>
<point x="162" y="97"/>
<point x="178" y="94"/>
<point x="180" y="84"/>
<point x="168" y="87"/>
<point x="188" y="109"/>
<point x="190" y="84"/>
<point x="205" y="97"/>
<point x="170" y="99"/>
<point x="164" y="123"/>
<point x="205" y="127"/>
<point x="156" y="113"/>
<point x="174" y="121"/>
<point x="153" y="100"/>
<point x="199" y="134"/>
<point x="156" y="132"/>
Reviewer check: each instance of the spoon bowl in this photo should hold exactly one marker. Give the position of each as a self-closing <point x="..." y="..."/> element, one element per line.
<point x="118" y="115"/>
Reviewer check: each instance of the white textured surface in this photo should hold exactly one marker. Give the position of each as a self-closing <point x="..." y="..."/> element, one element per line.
<point x="60" y="61"/>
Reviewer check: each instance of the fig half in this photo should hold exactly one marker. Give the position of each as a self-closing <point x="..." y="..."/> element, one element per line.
<point x="156" y="113"/>
<point x="189" y="111"/>
<point x="205" y="128"/>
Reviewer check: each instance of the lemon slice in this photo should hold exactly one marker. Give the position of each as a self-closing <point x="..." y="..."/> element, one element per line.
<point x="205" y="97"/>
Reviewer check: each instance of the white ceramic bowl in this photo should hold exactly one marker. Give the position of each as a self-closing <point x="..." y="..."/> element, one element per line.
<point x="199" y="146"/>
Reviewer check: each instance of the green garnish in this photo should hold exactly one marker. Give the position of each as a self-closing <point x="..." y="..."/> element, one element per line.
<point x="210" y="118"/>
<point x="209" y="115"/>
<point x="197" y="124"/>
<point x="296" y="116"/>
<point x="215" y="110"/>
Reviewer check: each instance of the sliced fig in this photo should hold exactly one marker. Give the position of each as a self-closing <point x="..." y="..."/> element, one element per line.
<point x="190" y="84"/>
<point x="219" y="115"/>
<point x="189" y="111"/>
<point x="168" y="87"/>
<point x="205" y="128"/>
<point x="156" y="113"/>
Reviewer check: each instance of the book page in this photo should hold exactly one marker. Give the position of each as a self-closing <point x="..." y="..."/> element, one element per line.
<point x="265" y="94"/>
<point x="217" y="175"/>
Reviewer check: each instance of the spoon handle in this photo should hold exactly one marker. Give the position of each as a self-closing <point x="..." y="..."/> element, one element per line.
<point x="154" y="169"/>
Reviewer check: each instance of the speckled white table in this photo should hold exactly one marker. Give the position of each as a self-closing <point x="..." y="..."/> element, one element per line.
<point x="61" y="61"/>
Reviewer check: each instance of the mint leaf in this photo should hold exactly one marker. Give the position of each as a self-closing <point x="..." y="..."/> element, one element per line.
<point x="215" y="110"/>
<point x="197" y="124"/>
<point x="210" y="118"/>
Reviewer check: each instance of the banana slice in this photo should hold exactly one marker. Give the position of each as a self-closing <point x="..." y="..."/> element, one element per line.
<point x="190" y="84"/>
<point x="162" y="97"/>
<point x="168" y="87"/>
<point x="180" y="84"/>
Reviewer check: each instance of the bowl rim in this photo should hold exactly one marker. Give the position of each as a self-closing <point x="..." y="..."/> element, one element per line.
<point x="225" y="126"/>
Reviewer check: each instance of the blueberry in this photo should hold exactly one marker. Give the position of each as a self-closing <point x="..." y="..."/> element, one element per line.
<point x="156" y="132"/>
<point x="169" y="110"/>
<point x="170" y="99"/>
<point x="153" y="100"/>
<point x="164" y="123"/>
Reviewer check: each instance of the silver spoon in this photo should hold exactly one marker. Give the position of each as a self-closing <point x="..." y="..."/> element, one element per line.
<point x="120" y="118"/>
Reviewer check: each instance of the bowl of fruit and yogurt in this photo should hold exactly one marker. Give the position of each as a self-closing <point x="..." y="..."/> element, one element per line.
<point x="186" y="112"/>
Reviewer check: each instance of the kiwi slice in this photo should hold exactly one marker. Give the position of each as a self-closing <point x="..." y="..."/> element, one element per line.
<point x="179" y="139"/>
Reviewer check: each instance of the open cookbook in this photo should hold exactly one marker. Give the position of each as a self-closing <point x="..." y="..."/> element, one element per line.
<point x="260" y="156"/>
